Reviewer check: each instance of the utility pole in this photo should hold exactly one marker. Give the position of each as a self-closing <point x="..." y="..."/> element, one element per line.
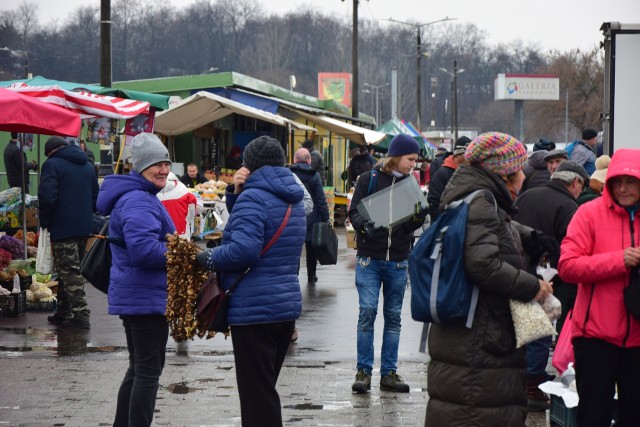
<point x="418" y="28"/>
<point x="105" y="43"/>
<point x="454" y="96"/>
<point x="354" y="62"/>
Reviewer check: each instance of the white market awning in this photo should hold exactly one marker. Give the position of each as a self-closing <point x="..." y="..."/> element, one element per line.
<point x="203" y="108"/>
<point x="357" y="134"/>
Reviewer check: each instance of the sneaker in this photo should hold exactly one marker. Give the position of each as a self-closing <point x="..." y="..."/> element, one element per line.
<point x="58" y="319"/>
<point x="312" y="279"/>
<point x="362" y="384"/>
<point x="393" y="382"/>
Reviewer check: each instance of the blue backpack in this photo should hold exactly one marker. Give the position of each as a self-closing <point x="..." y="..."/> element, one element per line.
<point x="570" y="147"/>
<point x="440" y="291"/>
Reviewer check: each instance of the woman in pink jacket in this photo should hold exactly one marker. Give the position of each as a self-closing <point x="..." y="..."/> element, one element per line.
<point x="601" y="247"/>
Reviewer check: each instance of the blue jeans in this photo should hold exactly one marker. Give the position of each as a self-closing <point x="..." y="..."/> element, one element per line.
<point x="538" y="356"/>
<point x="370" y="275"/>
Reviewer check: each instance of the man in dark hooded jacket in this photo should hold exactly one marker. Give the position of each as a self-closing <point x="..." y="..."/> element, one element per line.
<point x="67" y="200"/>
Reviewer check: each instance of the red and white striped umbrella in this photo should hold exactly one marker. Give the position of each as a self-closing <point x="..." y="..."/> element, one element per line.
<point x="86" y="104"/>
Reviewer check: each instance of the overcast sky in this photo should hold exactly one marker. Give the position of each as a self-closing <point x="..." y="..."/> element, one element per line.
<point x="552" y="24"/>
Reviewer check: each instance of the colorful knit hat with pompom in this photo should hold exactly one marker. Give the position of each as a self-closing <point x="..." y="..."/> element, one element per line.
<point x="497" y="152"/>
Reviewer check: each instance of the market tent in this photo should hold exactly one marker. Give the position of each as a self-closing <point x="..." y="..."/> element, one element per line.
<point x="204" y="107"/>
<point x="357" y="134"/>
<point x="395" y="127"/>
<point x="158" y="101"/>
<point x="87" y="104"/>
<point x="22" y="113"/>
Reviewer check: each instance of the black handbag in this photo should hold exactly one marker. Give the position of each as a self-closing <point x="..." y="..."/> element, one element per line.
<point x="324" y="243"/>
<point x="96" y="264"/>
<point x="213" y="302"/>
<point x="632" y="293"/>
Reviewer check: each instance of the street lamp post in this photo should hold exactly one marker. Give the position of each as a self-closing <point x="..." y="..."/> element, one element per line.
<point x="376" y="88"/>
<point x="454" y="96"/>
<point x="418" y="27"/>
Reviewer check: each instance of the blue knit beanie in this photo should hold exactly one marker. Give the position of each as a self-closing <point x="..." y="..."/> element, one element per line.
<point x="403" y="144"/>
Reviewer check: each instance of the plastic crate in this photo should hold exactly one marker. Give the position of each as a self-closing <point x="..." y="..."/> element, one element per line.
<point x="560" y="415"/>
<point x="14" y="305"/>
<point x="41" y="306"/>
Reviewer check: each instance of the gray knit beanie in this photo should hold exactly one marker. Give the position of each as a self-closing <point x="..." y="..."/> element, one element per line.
<point x="263" y="151"/>
<point x="147" y="150"/>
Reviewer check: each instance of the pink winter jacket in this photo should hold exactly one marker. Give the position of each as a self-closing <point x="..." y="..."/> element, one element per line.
<point x="592" y="256"/>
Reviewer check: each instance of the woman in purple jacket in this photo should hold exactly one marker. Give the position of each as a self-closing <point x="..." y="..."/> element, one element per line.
<point x="138" y="286"/>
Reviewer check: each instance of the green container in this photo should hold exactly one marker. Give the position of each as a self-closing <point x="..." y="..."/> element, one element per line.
<point x="560" y="415"/>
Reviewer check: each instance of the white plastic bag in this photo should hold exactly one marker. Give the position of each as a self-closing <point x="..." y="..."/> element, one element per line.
<point x="44" y="260"/>
<point x="530" y="322"/>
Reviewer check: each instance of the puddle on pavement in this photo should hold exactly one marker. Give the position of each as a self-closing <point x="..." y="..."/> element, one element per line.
<point x="328" y="406"/>
<point x="180" y="388"/>
<point x="59" y="342"/>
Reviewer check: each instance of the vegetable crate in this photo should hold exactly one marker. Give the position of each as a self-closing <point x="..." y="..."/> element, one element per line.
<point x="560" y="415"/>
<point x="14" y="305"/>
<point x="42" y="306"/>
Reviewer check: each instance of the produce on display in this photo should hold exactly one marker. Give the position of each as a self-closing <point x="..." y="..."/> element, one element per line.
<point x="5" y="258"/>
<point x="211" y="190"/>
<point x="184" y="279"/>
<point x="13" y="245"/>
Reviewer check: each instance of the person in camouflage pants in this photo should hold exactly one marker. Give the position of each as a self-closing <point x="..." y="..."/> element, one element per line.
<point x="67" y="197"/>
<point x="67" y="255"/>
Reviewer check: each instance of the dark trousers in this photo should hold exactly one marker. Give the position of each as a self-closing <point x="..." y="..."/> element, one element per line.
<point x="259" y="352"/>
<point x="599" y="367"/>
<point x="312" y="259"/>
<point x="146" y="341"/>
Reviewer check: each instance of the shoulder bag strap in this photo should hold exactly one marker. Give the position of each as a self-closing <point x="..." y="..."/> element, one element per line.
<point x="264" y="250"/>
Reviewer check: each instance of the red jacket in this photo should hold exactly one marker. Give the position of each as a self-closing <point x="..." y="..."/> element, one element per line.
<point x="181" y="205"/>
<point x="592" y="256"/>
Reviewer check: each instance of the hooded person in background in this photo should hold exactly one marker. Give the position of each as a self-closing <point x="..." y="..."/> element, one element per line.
<point x="138" y="282"/>
<point x="181" y="205"/>
<point x="536" y="172"/>
<point x="542" y="145"/>
<point x="267" y="301"/>
<point x="441" y="178"/>
<point x="381" y="263"/>
<point x="15" y="160"/>
<point x="317" y="161"/>
<point x="601" y="253"/>
<point x="66" y="202"/>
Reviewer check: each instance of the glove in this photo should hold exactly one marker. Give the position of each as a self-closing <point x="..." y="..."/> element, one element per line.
<point x="204" y="259"/>
<point x="420" y="214"/>
<point x="371" y="231"/>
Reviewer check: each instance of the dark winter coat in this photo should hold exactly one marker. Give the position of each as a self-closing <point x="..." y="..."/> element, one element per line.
<point x="317" y="164"/>
<point x="14" y="160"/>
<point x="548" y="208"/>
<point x="477" y="376"/>
<point x="67" y="194"/>
<point x="192" y="182"/>
<point x="436" y="164"/>
<point x="270" y="292"/>
<point x="536" y="171"/>
<point x="311" y="181"/>
<point x="397" y="247"/>
<point x="358" y="165"/>
<point x="138" y="284"/>
<point x="437" y="185"/>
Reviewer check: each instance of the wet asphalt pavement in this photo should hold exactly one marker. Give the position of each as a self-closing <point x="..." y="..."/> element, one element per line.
<point x="64" y="377"/>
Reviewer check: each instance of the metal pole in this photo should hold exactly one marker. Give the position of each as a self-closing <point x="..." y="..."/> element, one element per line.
<point x="377" y="107"/>
<point x="455" y="98"/>
<point x="418" y="80"/>
<point x="354" y="62"/>
<point x="105" y="43"/>
<point x="566" y="115"/>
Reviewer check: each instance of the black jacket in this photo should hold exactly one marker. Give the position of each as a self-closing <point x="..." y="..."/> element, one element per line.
<point x="436" y="188"/>
<point x="191" y="183"/>
<point x="536" y="171"/>
<point x="67" y="194"/>
<point x="311" y="181"/>
<point x="436" y="164"/>
<point x="401" y="234"/>
<point x="358" y="165"/>
<point x="13" y="163"/>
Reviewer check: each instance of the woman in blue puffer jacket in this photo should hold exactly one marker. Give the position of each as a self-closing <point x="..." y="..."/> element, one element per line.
<point x="267" y="301"/>
<point x="138" y="285"/>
